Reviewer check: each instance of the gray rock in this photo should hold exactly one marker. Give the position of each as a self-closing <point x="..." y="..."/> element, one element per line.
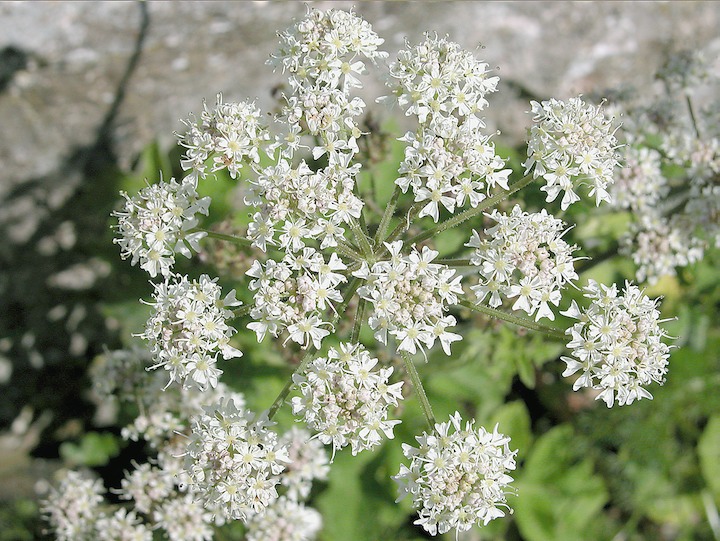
<point x="64" y="60"/>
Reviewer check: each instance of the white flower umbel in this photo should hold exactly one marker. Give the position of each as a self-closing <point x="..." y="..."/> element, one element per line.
<point x="449" y="162"/>
<point x="325" y="48"/>
<point x="230" y="132"/>
<point x="658" y="245"/>
<point x="440" y="78"/>
<point x="457" y="476"/>
<point x="297" y="294"/>
<point x="123" y="525"/>
<point x="188" y="329"/>
<point x="73" y="508"/>
<point x="234" y="460"/>
<point x="639" y="184"/>
<point x="146" y="486"/>
<point x="284" y="520"/>
<point x="617" y="344"/>
<point x="164" y="412"/>
<point x="571" y="143"/>
<point x="524" y="257"/>
<point x="155" y="225"/>
<point x="346" y="400"/>
<point x="184" y="519"/>
<point x="297" y="205"/>
<point x="410" y="296"/>
<point x="308" y="461"/>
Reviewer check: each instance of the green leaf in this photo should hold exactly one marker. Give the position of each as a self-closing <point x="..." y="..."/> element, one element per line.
<point x="558" y="493"/>
<point x="94" y="449"/>
<point x="514" y="421"/>
<point x="709" y="453"/>
<point x="358" y="503"/>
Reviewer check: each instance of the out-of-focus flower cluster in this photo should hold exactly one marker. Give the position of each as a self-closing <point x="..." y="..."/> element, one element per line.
<point x="671" y="166"/>
<point x="164" y="494"/>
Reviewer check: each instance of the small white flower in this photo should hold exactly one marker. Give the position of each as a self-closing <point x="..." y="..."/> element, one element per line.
<point x="188" y="329"/>
<point x="410" y="296"/>
<point x="234" y="460"/>
<point x="154" y="225"/>
<point x="73" y="509"/>
<point x="285" y="519"/>
<point x="525" y="257"/>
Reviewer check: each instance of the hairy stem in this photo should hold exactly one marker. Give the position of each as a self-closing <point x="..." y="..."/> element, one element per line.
<point x="516" y="320"/>
<point x="242" y="310"/>
<point x="230" y="238"/>
<point x="290" y="383"/>
<point x="359" y="317"/>
<point x="349" y="252"/>
<point x="387" y="215"/>
<point x="419" y="389"/>
<point x="404" y="225"/>
<point x="472" y="212"/>
<point x="454" y="262"/>
<point x="362" y="240"/>
<point x="692" y="116"/>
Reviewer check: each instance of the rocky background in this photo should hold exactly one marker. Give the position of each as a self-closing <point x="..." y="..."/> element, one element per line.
<point x="62" y="64"/>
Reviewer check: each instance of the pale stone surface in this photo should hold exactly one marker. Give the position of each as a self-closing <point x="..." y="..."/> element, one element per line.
<point x="75" y="54"/>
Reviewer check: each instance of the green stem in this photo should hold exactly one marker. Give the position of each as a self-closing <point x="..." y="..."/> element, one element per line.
<point x="290" y="383"/>
<point x="349" y="252"/>
<point x="419" y="389"/>
<point x="352" y="287"/>
<point x="242" y="310"/>
<point x="359" y="317"/>
<point x="516" y="320"/>
<point x="387" y="215"/>
<point x="472" y="212"/>
<point x="404" y="225"/>
<point x="692" y="116"/>
<point x="230" y="238"/>
<point x="362" y="240"/>
<point x="454" y="262"/>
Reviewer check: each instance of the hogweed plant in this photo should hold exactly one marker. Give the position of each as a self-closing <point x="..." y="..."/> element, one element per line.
<point x="329" y="261"/>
